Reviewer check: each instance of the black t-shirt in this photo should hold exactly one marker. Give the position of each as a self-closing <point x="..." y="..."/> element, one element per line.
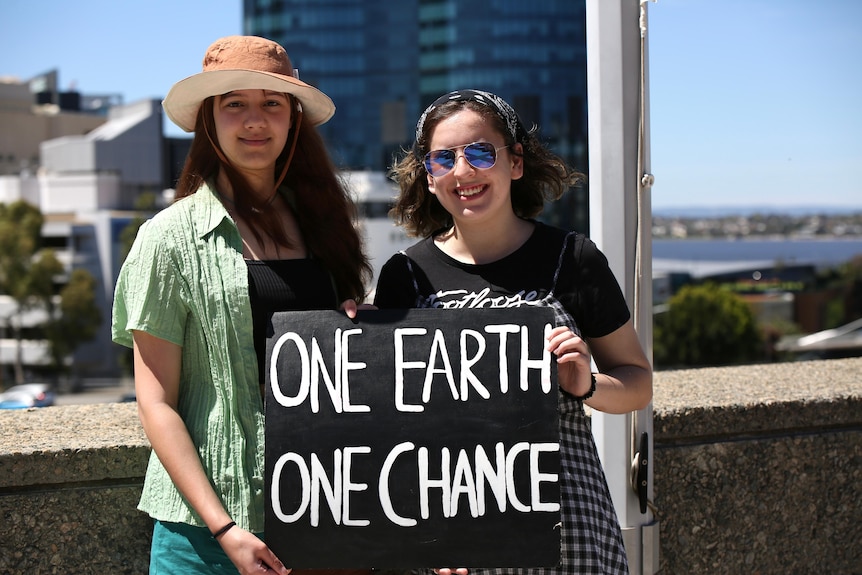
<point x="551" y="260"/>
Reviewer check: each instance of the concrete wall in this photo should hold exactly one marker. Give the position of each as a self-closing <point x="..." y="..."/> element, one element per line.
<point x="758" y="469"/>
<point x="70" y="478"/>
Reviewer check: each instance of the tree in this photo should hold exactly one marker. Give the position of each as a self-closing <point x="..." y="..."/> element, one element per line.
<point x="29" y="276"/>
<point x="75" y="320"/>
<point x="851" y="272"/>
<point x="706" y="325"/>
<point x="146" y="203"/>
<point x="26" y="273"/>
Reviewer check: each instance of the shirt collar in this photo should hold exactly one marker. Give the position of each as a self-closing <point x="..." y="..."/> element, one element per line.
<point x="213" y="211"/>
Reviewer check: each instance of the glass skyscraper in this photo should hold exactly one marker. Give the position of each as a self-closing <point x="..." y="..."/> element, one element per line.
<point x="382" y="63"/>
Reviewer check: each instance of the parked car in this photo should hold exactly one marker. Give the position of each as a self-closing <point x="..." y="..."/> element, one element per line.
<point x="27" y="395"/>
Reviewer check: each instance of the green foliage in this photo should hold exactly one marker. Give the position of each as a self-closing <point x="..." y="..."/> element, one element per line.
<point x="20" y="232"/>
<point x="38" y="283"/>
<point x="26" y="275"/>
<point x="851" y="272"/>
<point x="706" y="325"/>
<point x="144" y="203"/>
<point x="128" y="235"/>
<point x="29" y="275"/>
<point x="77" y="318"/>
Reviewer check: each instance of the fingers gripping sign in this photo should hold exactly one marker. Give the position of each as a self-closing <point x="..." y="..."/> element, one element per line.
<point x="573" y="360"/>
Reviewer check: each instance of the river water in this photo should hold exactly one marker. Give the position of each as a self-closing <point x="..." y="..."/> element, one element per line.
<point x="715" y="255"/>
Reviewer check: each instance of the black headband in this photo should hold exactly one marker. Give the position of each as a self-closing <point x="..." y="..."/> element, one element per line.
<point x="496" y="103"/>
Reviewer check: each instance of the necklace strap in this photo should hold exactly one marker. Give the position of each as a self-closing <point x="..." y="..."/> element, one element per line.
<point x="226" y="200"/>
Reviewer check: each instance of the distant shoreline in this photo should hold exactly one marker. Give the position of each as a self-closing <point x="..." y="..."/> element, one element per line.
<point x="733" y="211"/>
<point x="807" y="227"/>
<point x="766" y="238"/>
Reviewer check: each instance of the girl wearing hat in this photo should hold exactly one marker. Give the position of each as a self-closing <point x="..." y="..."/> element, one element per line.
<point x="262" y="223"/>
<point x="471" y="187"/>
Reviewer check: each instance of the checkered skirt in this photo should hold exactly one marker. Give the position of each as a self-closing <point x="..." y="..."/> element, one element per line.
<point x="591" y="541"/>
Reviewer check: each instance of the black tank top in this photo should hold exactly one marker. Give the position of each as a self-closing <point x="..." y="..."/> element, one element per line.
<point x="283" y="285"/>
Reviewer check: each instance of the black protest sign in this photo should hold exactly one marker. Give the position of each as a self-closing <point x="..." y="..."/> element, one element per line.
<point x="412" y="438"/>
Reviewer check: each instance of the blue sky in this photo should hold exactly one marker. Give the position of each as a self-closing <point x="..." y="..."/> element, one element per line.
<point x="752" y="102"/>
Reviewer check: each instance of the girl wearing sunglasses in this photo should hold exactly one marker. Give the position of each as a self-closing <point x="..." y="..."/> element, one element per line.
<point x="471" y="187"/>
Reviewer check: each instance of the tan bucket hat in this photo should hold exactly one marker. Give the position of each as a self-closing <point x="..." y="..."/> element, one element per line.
<point x="243" y="63"/>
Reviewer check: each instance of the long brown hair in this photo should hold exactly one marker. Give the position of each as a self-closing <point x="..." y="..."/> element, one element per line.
<point x="321" y="202"/>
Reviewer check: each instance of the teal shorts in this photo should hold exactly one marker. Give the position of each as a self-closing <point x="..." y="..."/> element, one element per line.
<point x="182" y="548"/>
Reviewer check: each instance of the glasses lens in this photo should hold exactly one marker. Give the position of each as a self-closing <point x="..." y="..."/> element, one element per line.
<point x="481" y="155"/>
<point x="439" y="162"/>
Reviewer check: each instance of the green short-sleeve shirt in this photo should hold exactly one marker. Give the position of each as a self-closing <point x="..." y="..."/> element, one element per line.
<point x="185" y="281"/>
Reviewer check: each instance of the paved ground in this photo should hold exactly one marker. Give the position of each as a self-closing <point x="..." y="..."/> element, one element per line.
<point x="106" y="392"/>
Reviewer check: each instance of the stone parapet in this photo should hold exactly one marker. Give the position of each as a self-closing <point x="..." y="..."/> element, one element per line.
<point x="758" y="469"/>
<point x="70" y="479"/>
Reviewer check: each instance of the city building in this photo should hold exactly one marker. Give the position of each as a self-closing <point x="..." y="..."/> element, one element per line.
<point x="383" y="63"/>
<point x="85" y="168"/>
<point x="86" y="160"/>
<point x="88" y="184"/>
<point x="374" y="195"/>
<point x="34" y="111"/>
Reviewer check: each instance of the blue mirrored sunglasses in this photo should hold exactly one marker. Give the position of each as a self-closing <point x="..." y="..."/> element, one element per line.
<point x="480" y="155"/>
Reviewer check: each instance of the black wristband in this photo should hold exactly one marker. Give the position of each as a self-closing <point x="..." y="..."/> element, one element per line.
<point x="223" y="530"/>
<point x="590" y="393"/>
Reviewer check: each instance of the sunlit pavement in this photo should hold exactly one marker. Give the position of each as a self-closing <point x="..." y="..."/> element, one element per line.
<point x="95" y="394"/>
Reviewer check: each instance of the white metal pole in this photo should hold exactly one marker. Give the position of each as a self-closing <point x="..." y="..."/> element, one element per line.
<point x="615" y="106"/>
